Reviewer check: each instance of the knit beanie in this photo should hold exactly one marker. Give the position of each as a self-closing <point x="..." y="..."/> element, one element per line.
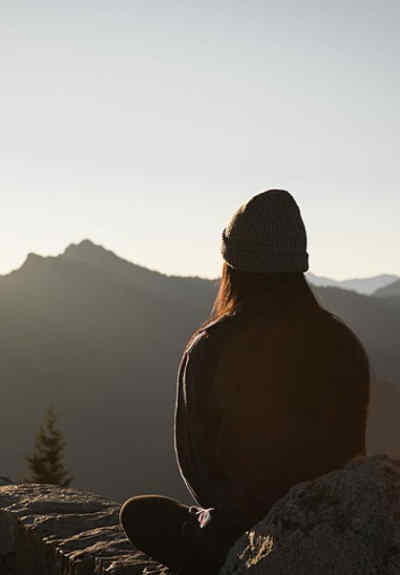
<point x="266" y="234"/>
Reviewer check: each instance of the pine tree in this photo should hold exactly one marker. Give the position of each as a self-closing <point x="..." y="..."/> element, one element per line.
<point x="46" y="463"/>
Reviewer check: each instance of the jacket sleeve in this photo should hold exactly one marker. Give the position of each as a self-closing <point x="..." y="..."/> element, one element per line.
<point x="197" y="422"/>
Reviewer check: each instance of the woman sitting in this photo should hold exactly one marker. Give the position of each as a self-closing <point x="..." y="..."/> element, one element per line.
<point x="272" y="390"/>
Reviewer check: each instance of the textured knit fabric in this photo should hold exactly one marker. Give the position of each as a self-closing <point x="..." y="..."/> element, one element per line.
<point x="266" y="234"/>
<point x="265" y="404"/>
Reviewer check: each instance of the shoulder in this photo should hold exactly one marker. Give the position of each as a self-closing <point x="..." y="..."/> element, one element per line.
<point x="336" y="325"/>
<point x="204" y="348"/>
<point x="340" y="336"/>
<point x="212" y="334"/>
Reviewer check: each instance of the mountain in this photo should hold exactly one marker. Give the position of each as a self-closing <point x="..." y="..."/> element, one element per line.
<point x="101" y="339"/>
<point x="360" y="285"/>
<point x="383" y="430"/>
<point x="171" y="288"/>
<point x="375" y="321"/>
<point x="390" y="291"/>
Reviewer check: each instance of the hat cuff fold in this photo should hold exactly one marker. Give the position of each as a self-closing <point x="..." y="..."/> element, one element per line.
<point x="263" y="259"/>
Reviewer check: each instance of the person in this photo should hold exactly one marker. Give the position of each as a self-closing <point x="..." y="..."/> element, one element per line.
<point x="272" y="390"/>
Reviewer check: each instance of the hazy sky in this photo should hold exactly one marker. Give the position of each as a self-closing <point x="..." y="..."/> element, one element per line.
<point x="143" y="125"/>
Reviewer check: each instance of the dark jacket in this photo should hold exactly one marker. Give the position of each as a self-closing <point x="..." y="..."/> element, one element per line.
<point x="264" y="402"/>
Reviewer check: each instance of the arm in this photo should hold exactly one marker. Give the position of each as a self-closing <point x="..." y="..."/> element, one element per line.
<point x="197" y="421"/>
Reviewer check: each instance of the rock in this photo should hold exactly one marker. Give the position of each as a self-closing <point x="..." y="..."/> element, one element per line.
<point x="53" y="530"/>
<point x="346" y="522"/>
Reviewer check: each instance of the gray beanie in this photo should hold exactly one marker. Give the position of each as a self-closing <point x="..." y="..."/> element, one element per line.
<point x="266" y="234"/>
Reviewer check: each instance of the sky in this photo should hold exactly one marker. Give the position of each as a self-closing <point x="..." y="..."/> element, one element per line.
<point x="144" y="125"/>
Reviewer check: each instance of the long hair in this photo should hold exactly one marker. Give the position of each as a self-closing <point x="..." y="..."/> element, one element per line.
<point x="250" y="290"/>
<point x="253" y="293"/>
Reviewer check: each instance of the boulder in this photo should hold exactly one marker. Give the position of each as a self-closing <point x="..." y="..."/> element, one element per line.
<point x="53" y="530"/>
<point x="346" y="522"/>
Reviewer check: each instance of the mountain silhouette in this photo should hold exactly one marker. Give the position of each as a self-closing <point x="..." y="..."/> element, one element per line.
<point x="390" y="291"/>
<point x="376" y="321"/>
<point x="365" y="286"/>
<point x="100" y="338"/>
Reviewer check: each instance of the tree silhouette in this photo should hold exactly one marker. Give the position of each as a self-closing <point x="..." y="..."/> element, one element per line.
<point x="46" y="463"/>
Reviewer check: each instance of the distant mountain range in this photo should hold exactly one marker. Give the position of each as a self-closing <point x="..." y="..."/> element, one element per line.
<point x="366" y="286"/>
<point x="391" y="290"/>
<point x="101" y="338"/>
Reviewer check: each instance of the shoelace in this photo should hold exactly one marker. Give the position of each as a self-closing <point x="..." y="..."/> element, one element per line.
<point x="203" y="515"/>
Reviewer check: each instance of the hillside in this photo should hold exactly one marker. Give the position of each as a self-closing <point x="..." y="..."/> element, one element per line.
<point x="365" y="286"/>
<point x="390" y="291"/>
<point x="375" y="321"/>
<point x="90" y="335"/>
<point x="101" y="338"/>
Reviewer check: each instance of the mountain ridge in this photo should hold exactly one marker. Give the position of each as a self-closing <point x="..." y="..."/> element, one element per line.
<point x="390" y="291"/>
<point x="90" y="252"/>
<point x="367" y="285"/>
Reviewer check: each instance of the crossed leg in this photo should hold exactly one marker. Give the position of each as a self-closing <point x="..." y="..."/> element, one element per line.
<point x="187" y="539"/>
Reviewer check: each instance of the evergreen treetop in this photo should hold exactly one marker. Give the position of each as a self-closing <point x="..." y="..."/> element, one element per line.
<point x="46" y="463"/>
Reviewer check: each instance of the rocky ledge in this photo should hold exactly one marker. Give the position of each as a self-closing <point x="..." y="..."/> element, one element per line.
<point x="47" y="530"/>
<point x="344" y="523"/>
